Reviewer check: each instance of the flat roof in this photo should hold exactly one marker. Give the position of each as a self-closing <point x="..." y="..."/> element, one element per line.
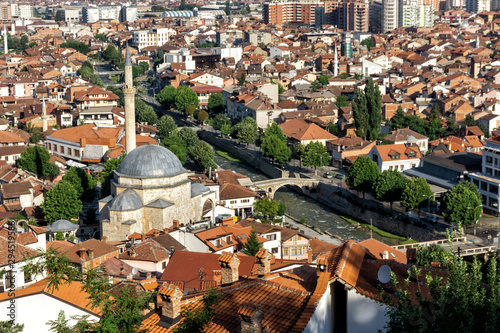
<point x="462" y="162"/>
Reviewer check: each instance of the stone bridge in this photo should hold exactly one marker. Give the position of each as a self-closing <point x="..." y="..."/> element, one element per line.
<point x="270" y="186"/>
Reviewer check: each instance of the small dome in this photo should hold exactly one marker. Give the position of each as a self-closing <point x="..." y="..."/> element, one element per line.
<point x="151" y="161"/>
<point x="63" y="226"/>
<point x="197" y="188"/>
<point x="127" y="200"/>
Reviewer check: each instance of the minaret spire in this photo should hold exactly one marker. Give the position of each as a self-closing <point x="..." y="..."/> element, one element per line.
<point x="335" y="63"/>
<point x="129" y="98"/>
<point x="5" y="43"/>
<point x="44" y="116"/>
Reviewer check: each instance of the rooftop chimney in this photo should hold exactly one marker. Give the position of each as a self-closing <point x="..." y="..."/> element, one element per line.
<point x="264" y="258"/>
<point x="91" y="254"/>
<point x="321" y="265"/>
<point x="105" y="239"/>
<point x="81" y="254"/>
<point x="169" y="298"/>
<point x="251" y="318"/>
<point x="229" y="267"/>
<point x="143" y="237"/>
<point x="122" y="270"/>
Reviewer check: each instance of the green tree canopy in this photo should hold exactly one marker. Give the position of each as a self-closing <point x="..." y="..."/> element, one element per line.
<point x="203" y="156"/>
<point x="106" y="175"/>
<point x="462" y="205"/>
<point x="62" y="202"/>
<point x="242" y="80"/>
<point x="166" y="126"/>
<point x="374" y="105"/>
<point x="202" y="116"/>
<point x="341" y="101"/>
<point x="185" y="96"/>
<point x="426" y="255"/>
<point x="389" y="186"/>
<point x="220" y="120"/>
<point x="362" y="174"/>
<point x="315" y="154"/>
<point x="144" y="113"/>
<point x="252" y="246"/>
<point x="166" y="97"/>
<point x="360" y="113"/>
<point x="216" y="103"/>
<point x="189" y="137"/>
<point x="112" y="55"/>
<point x="177" y="146"/>
<point x="368" y="42"/>
<point x="36" y="159"/>
<point x="76" y="45"/>
<point x="9" y="327"/>
<point x="416" y="193"/>
<point x="195" y="320"/>
<point x="82" y="182"/>
<point x="274" y="144"/>
<point x="246" y="131"/>
<point x="267" y="207"/>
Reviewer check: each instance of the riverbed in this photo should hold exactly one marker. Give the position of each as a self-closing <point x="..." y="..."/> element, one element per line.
<point x="299" y="206"/>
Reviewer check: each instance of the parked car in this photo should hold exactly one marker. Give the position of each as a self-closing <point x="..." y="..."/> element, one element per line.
<point x="339" y="176"/>
<point x="328" y="175"/>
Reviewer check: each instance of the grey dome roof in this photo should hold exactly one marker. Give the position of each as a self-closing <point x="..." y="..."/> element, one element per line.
<point x="63" y="226"/>
<point x="151" y="161"/>
<point x="197" y="188"/>
<point x="127" y="200"/>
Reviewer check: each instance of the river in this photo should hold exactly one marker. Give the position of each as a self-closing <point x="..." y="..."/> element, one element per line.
<point x="299" y="206"/>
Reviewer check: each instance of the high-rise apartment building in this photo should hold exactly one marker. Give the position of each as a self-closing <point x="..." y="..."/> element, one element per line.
<point x="128" y="14"/>
<point x="417" y="16"/>
<point x="385" y="15"/>
<point x="477" y="6"/>
<point x="354" y="16"/>
<point x="90" y="14"/>
<point x="5" y="12"/>
<point x="22" y="10"/>
<point x="283" y="11"/>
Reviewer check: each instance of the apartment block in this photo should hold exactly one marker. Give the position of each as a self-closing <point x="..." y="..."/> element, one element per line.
<point x="280" y="12"/>
<point x="151" y="37"/>
<point x="417" y="16"/>
<point x="354" y="16"/>
<point x="5" y="12"/>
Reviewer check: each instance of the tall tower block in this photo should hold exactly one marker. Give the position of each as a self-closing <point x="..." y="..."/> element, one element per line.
<point x="129" y="99"/>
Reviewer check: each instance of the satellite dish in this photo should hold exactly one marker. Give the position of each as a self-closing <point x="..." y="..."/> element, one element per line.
<point x="384" y="274"/>
<point x="134" y="271"/>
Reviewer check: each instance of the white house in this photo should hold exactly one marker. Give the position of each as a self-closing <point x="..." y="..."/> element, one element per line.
<point x="370" y="67"/>
<point x="208" y="79"/>
<point x="279" y="51"/>
<point x="147" y="256"/>
<point x="396" y="157"/>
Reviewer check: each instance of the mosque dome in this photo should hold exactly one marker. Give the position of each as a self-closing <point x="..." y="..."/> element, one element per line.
<point x="150" y="161"/>
<point x="127" y="200"/>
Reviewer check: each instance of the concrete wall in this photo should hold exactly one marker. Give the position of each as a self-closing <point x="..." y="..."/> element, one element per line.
<point x="364" y="315"/>
<point x="229" y="146"/>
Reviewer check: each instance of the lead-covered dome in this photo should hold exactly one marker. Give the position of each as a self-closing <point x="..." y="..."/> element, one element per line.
<point x="151" y="161"/>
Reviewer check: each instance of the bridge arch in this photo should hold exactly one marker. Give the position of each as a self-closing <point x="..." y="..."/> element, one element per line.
<point x="304" y="185"/>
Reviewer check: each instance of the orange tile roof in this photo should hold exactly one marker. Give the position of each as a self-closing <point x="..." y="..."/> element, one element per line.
<point x="301" y="130"/>
<point x="386" y="151"/>
<point x="377" y="248"/>
<point x="71" y="293"/>
<point x="88" y="134"/>
<point x="239" y="236"/>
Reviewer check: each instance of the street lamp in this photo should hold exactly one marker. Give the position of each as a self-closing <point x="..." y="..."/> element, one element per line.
<point x="475" y="220"/>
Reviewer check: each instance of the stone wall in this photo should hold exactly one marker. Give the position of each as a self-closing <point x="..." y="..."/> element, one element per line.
<point x="257" y="162"/>
<point x="349" y="204"/>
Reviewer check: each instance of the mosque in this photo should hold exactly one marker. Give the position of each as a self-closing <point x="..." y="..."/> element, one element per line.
<point x="151" y="188"/>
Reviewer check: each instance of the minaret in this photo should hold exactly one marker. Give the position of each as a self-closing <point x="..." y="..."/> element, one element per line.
<point x="5" y="44"/>
<point x="335" y="63"/>
<point x="129" y="98"/>
<point x="44" y="116"/>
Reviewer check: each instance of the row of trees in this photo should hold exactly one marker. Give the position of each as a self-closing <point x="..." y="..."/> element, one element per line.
<point x="179" y="98"/>
<point x="367" y="111"/>
<point x="87" y="72"/>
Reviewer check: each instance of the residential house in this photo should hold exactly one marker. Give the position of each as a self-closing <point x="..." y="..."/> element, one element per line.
<point x="404" y="135"/>
<point x="19" y="195"/>
<point x="147" y="256"/>
<point x="94" y="96"/>
<point x="345" y="150"/>
<point x="300" y="131"/>
<point x="396" y="156"/>
<point x="227" y="238"/>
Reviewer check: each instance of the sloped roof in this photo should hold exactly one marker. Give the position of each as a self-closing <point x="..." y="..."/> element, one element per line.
<point x="301" y="130"/>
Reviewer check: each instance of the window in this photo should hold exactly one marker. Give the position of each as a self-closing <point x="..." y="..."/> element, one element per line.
<point x="164" y="265"/>
<point x="61" y="149"/>
<point x="285" y="252"/>
<point x="489" y="159"/>
<point x="10" y="281"/>
<point x="27" y="278"/>
<point x="296" y="251"/>
<point x="401" y="167"/>
<point x="228" y="239"/>
<point x="217" y="243"/>
<point x="274" y="250"/>
<point x="271" y="237"/>
<point x="245" y="200"/>
<point x="233" y="202"/>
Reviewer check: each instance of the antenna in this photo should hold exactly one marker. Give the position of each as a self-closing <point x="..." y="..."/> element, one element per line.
<point x="134" y="271"/>
<point x="384" y="274"/>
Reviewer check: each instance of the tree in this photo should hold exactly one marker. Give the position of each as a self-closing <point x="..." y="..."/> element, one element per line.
<point x="342" y="101"/>
<point x="144" y="113"/>
<point x="426" y="255"/>
<point x="228" y="8"/>
<point x="360" y="113"/>
<point x="189" y="137"/>
<point x="315" y="154"/>
<point x="389" y="186"/>
<point x="37" y="160"/>
<point x="101" y="37"/>
<point x="166" y="97"/>
<point x="76" y="45"/>
<point x="106" y="175"/>
<point x="368" y="42"/>
<point x="267" y="207"/>
<point x="451" y="127"/>
<point x="196" y="319"/>
<point x="374" y="106"/>
<point x="246" y="131"/>
<point x="120" y="308"/>
<point x="177" y="146"/>
<point x="281" y="89"/>
<point x="166" y="126"/>
<point x="416" y="192"/>
<point x="344" y="76"/>
<point x="470" y="121"/>
<point x="274" y="144"/>
<point x="299" y="150"/>
<point x="462" y="205"/>
<point x="323" y="79"/>
<point x="398" y="120"/>
<point x="242" y="80"/>
<point x="216" y="103"/>
<point x="190" y="110"/>
<point x="315" y="86"/>
<point x="82" y="182"/>
<point x="9" y="327"/>
<point x="219" y="121"/>
<point x="118" y="92"/>
<point x="185" y="96"/>
<point x="203" y="156"/>
<point x="362" y="174"/>
<point x="466" y="299"/>
<point x="202" y="116"/>
<point x="252" y="246"/>
<point x="62" y="202"/>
